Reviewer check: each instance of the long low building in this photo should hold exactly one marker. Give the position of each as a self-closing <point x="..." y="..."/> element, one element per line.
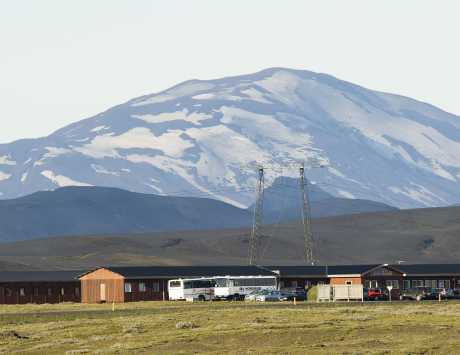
<point x="21" y="287"/>
<point x="128" y="284"/>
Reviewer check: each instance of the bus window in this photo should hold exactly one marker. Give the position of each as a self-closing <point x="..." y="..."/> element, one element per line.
<point x="222" y="282"/>
<point x="174" y="284"/>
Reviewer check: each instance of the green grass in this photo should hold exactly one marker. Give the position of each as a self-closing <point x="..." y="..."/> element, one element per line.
<point x="238" y="328"/>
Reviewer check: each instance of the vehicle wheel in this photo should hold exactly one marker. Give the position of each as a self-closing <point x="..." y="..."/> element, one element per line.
<point x="418" y="298"/>
<point x="201" y="298"/>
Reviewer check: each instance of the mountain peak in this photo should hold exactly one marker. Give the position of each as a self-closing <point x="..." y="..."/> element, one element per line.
<point x="198" y="137"/>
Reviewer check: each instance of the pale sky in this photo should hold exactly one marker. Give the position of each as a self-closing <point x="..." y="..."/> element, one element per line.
<point x="62" y="61"/>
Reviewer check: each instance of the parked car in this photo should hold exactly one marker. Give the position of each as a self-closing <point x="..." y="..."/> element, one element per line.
<point x="375" y="294"/>
<point x="252" y="296"/>
<point x="272" y="296"/>
<point x="423" y="293"/>
<point x="299" y="294"/>
<point x="436" y="293"/>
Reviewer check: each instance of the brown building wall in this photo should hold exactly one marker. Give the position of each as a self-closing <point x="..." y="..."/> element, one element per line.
<point x="39" y="292"/>
<point x="344" y="280"/>
<point x="155" y="290"/>
<point x="93" y="283"/>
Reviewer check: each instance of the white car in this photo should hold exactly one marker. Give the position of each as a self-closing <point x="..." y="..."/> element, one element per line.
<point x="272" y="296"/>
<point x="253" y="295"/>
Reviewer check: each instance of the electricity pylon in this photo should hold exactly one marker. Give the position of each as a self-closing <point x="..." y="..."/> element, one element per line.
<point x="306" y="218"/>
<point x="254" y="239"/>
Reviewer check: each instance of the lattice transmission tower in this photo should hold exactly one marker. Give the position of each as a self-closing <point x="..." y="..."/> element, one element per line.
<point x="254" y="240"/>
<point x="306" y="218"/>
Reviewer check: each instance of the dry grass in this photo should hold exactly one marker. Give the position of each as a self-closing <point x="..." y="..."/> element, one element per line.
<point x="221" y="327"/>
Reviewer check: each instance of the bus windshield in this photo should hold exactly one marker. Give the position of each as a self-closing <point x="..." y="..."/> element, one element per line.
<point x="174" y="284"/>
<point x="222" y="282"/>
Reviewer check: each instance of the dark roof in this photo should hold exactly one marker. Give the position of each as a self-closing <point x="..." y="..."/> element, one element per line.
<point x="323" y="270"/>
<point x="429" y="269"/>
<point x="350" y="269"/>
<point x="39" y="276"/>
<point x="300" y="271"/>
<point x="137" y="272"/>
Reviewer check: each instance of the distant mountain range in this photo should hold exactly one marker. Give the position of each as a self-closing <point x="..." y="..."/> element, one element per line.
<point x="73" y="211"/>
<point x="415" y="236"/>
<point x="204" y="139"/>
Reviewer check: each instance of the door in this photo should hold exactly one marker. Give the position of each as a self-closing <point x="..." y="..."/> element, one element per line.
<point x="103" y="295"/>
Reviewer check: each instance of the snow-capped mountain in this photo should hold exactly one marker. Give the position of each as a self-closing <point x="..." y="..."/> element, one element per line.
<point x="203" y="138"/>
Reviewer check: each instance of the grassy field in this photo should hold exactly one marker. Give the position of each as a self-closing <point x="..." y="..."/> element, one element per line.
<point x="238" y="328"/>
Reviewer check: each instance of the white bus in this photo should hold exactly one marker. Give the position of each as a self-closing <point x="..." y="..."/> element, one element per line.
<point x="236" y="287"/>
<point x="201" y="289"/>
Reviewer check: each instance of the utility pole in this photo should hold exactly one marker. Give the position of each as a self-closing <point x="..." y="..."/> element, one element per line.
<point x="306" y="218"/>
<point x="257" y="220"/>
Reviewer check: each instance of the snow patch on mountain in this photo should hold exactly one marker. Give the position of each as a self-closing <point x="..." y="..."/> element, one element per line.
<point x="24" y="177"/>
<point x="188" y="88"/>
<point x="61" y="180"/>
<point x="184" y="115"/>
<point x="101" y="170"/>
<point x="6" y="160"/>
<point x="108" y="145"/>
<point x="4" y="176"/>
<point x="99" y="128"/>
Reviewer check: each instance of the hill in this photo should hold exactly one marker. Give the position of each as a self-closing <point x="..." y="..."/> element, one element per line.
<point x="198" y="138"/>
<point x="415" y="236"/>
<point x="99" y="210"/>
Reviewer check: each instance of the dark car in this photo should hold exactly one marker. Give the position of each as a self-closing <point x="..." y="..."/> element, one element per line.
<point x="440" y="293"/>
<point x="298" y="294"/>
<point x="422" y="293"/>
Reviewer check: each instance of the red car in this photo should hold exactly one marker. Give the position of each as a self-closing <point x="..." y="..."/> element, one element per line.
<point x="374" y="294"/>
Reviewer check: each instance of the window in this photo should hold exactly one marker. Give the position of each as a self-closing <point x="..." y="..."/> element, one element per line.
<point x="428" y="283"/>
<point x="142" y="287"/>
<point x="440" y="283"/>
<point x="393" y="283"/>
<point x="8" y="292"/>
<point x="174" y="284"/>
<point x="36" y="291"/>
<point x="222" y="282"/>
<point x="371" y="284"/>
<point x="22" y="292"/>
<point x="267" y="281"/>
<point x="77" y="291"/>
<point x="417" y="283"/>
<point x="50" y="291"/>
<point x="447" y="284"/>
<point x="406" y="284"/>
<point x="348" y="282"/>
<point x="128" y="288"/>
<point x="458" y="282"/>
<point x="156" y="286"/>
<point x="294" y="284"/>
